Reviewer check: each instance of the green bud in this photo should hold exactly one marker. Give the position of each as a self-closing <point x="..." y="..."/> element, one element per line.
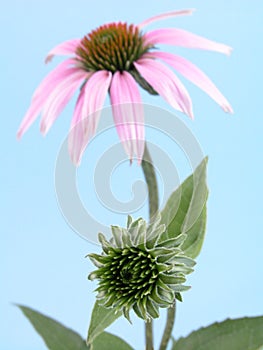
<point x="136" y="272"/>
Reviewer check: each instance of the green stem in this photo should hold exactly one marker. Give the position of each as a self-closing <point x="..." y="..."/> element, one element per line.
<point x="149" y="335"/>
<point x="168" y="327"/>
<point x="150" y="177"/>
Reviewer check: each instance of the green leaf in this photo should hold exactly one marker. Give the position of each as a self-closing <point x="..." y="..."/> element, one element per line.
<point x="55" y="335"/>
<point x="185" y="211"/>
<point x="107" y="341"/>
<point x="101" y="318"/>
<point x="240" y="334"/>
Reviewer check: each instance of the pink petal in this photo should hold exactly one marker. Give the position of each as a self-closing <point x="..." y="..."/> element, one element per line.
<point x="77" y="132"/>
<point x="180" y="37"/>
<point x="166" y="83"/>
<point x="128" y="113"/>
<point x="195" y="75"/>
<point x="59" y="97"/>
<point x="166" y="15"/>
<point x="66" y="48"/>
<point x="30" y="116"/>
<point x="42" y="92"/>
<point x="87" y="113"/>
<point x="55" y="76"/>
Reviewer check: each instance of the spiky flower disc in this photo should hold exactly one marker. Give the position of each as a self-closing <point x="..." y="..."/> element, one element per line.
<point x="140" y="269"/>
<point x="113" y="47"/>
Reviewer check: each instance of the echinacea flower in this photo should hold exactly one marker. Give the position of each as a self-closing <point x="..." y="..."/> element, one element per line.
<point x="115" y="59"/>
<point x="139" y="269"/>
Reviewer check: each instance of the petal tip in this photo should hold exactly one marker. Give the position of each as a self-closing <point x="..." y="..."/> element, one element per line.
<point x="19" y="135"/>
<point x="75" y="159"/>
<point x="228" y="109"/>
<point x="229" y="50"/>
<point x="43" y="130"/>
<point x="191" y="11"/>
<point x="48" y="59"/>
<point x="189" y="112"/>
<point x="76" y="162"/>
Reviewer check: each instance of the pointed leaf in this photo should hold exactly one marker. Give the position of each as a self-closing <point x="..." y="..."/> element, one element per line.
<point x="107" y="341"/>
<point x="185" y="211"/>
<point x="101" y="318"/>
<point x="55" y="335"/>
<point x="240" y="334"/>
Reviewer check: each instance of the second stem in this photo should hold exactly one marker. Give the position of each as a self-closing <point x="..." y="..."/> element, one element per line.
<point x="150" y="177"/>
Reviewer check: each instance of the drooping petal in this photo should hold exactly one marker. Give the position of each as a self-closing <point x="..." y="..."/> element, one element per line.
<point x="166" y="15"/>
<point x="77" y="131"/>
<point x="180" y="37"/>
<point x="96" y="91"/>
<point x="42" y="93"/>
<point x="66" y="48"/>
<point x="166" y="83"/>
<point x="55" y="76"/>
<point x="195" y="75"/>
<point x="87" y="113"/>
<point x="30" y="116"/>
<point x="59" y="97"/>
<point x="128" y="113"/>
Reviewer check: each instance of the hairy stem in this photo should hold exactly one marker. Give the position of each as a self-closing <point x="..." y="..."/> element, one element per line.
<point x="150" y="177"/>
<point x="168" y="327"/>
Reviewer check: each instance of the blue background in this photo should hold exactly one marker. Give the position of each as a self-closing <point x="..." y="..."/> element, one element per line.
<point x="42" y="259"/>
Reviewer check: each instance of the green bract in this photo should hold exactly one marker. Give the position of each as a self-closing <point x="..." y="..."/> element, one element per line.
<point x="136" y="272"/>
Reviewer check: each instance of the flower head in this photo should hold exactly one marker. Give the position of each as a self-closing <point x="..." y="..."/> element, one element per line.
<point x="115" y="59"/>
<point x="139" y="269"/>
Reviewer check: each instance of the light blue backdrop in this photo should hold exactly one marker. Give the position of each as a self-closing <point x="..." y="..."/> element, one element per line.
<point x="42" y="259"/>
